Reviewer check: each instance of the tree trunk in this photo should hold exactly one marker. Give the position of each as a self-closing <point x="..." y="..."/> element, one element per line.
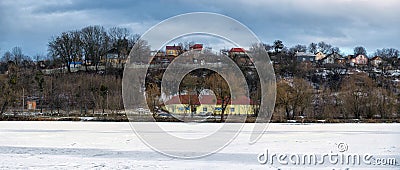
<point x="287" y="113"/>
<point x="222" y="113"/>
<point x="224" y="104"/>
<point x="68" y="67"/>
<point x="3" y="108"/>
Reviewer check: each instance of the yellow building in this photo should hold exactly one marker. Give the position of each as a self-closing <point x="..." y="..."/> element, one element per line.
<point x="173" y="50"/>
<point x="208" y="104"/>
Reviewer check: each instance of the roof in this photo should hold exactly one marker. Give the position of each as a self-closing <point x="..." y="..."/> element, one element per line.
<point x="360" y="55"/>
<point x="242" y="100"/>
<point x="206" y="99"/>
<point x="376" y="58"/>
<point x="241" y="50"/>
<point x="192" y="99"/>
<point x="298" y="54"/>
<point x="197" y="46"/>
<point x="334" y="55"/>
<point x="173" y="47"/>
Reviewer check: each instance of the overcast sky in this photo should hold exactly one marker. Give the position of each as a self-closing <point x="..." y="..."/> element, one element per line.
<point x="344" y="23"/>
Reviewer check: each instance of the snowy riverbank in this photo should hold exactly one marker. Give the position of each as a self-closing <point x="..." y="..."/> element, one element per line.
<point x="113" y="145"/>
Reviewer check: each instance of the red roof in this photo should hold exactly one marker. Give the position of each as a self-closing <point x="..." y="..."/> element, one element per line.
<point x="237" y="50"/>
<point x="242" y="100"/>
<point x="197" y="46"/>
<point x="173" y="47"/>
<point x="206" y="99"/>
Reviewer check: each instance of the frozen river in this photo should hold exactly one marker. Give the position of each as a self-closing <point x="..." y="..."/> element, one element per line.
<point x="111" y="145"/>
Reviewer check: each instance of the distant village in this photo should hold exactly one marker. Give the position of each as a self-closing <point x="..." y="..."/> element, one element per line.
<point x="314" y="83"/>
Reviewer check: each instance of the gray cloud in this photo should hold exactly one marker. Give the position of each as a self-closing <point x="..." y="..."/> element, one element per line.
<point x="343" y="23"/>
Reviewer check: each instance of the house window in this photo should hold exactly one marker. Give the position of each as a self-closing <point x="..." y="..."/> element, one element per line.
<point x="180" y="108"/>
<point x="204" y="109"/>
<point x="232" y="110"/>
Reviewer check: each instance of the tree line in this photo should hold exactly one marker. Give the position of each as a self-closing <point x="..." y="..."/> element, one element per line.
<point x="23" y="78"/>
<point x="91" y="44"/>
<point x="343" y="92"/>
<point x="300" y="91"/>
<point x="278" y="47"/>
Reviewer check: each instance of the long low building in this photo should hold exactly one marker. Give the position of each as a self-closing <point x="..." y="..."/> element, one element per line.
<point x="206" y="104"/>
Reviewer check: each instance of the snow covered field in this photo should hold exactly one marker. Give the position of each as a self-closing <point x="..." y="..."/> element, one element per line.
<point x="103" y="145"/>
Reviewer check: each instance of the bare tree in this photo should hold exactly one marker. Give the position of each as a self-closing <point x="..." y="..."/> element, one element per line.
<point x="17" y="55"/>
<point x="294" y="97"/>
<point x="356" y="95"/>
<point x="387" y="53"/>
<point x="284" y="98"/>
<point x="67" y="47"/>
<point x="324" y="47"/>
<point x="334" y="77"/>
<point x="278" y="45"/>
<point x="117" y="33"/>
<point x="219" y="86"/>
<point x="297" y="48"/>
<point x="95" y="44"/>
<point x="268" y="47"/>
<point x="335" y="50"/>
<point x="10" y="87"/>
<point x="153" y="93"/>
<point x="360" y="51"/>
<point x="6" y="95"/>
<point x="313" y="48"/>
<point x="302" y="96"/>
<point x="192" y="86"/>
<point x="7" y="57"/>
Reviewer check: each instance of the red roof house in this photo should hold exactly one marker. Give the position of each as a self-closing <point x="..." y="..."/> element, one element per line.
<point x="197" y="47"/>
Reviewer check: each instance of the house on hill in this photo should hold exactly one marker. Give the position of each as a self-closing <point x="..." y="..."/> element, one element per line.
<point x="197" y="47"/>
<point x="341" y="61"/>
<point x="331" y="58"/>
<point x="305" y="57"/>
<point x="173" y="50"/>
<point x="115" y="59"/>
<point x="157" y="53"/>
<point x="236" y="51"/>
<point x="376" y="61"/>
<point x="319" y="56"/>
<point x="75" y="64"/>
<point x="358" y="60"/>
<point x="239" y="55"/>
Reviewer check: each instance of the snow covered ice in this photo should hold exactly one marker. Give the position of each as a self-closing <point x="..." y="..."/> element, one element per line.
<point x="112" y="145"/>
